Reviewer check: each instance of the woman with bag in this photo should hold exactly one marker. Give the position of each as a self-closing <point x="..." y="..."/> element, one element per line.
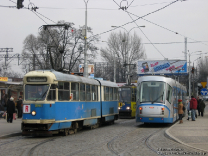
<point x="10" y="109"/>
<point x="180" y="110"/>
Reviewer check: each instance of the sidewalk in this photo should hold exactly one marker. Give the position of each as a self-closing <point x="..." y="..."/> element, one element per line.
<point x="191" y="133"/>
<point x="10" y="128"/>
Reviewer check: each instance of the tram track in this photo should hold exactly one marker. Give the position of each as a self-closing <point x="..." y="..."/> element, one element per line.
<point x="133" y="146"/>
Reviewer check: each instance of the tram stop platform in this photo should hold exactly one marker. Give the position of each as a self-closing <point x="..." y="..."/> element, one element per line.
<point x="13" y="128"/>
<point x="191" y="133"/>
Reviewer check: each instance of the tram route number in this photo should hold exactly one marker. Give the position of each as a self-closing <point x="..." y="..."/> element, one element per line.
<point x="151" y="118"/>
<point x="38" y="105"/>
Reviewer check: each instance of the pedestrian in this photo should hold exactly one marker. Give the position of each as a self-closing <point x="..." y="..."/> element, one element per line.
<point x="201" y="106"/>
<point x="180" y="110"/>
<point x="188" y="109"/>
<point x="198" y="100"/>
<point x="10" y="109"/>
<point x="193" y="107"/>
<point x="19" y="106"/>
<point x="4" y="100"/>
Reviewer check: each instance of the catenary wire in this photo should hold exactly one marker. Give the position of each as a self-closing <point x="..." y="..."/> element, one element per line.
<point x="135" y="19"/>
<point x="166" y="28"/>
<point x="146" y="36"/>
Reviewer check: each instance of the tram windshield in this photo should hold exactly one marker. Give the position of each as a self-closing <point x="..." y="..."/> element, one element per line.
<point x="124" y="94"/>
<point x="36" y="92"/>
<point x="152" y="91"/>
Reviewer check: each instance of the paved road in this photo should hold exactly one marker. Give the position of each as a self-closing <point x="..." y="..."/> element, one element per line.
<point x="8" y="128"/>
<point x="124" y="138"/>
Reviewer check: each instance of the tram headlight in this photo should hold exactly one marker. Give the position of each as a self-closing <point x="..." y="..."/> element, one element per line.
<point x="128" y="108"/>
<point x="33" y="113"/>
<point x="119" y="107"/>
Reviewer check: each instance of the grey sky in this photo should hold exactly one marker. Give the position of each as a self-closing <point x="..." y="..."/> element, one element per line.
<point x="188" y="18"/>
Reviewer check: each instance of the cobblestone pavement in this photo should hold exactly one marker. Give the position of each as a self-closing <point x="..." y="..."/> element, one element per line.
<point x="124" y="138"/>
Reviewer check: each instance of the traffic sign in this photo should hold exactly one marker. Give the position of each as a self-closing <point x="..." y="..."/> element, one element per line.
<point x="204" y="91"/>
<point x="203" y="84"/>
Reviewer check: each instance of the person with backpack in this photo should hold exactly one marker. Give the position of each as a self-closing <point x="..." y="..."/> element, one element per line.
<point x="180" y="110"/>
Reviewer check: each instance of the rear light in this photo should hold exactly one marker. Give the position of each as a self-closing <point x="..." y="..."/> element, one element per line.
<point x="140" y="110"/>
<point x="162" y="110"/>
<point x="161" y="118"/>
<point x="140" y="118"/>
<point x="50" y="105"/>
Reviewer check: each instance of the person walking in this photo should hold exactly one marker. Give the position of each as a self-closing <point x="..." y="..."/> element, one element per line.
<point x="193" y="107"/>
<point x="188" y="110"/>
<point x="198" y="100"/>
<point x="10" y="109"/>
<point x="19" y="106"/>
<point x="180" y="110"/>
<point x="201" y="106"/>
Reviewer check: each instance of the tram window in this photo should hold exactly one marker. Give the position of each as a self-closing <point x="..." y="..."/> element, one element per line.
<point x="152" y="92"/>
<point x="88" y="93"/>
<point x="52" y="93"/>
<point x="94" y="93"/>
<point x="115" y="94"/>
<point x="106" y="93"/>
<point x="82" y="92"/>
<point x="74" y="91"/>
<point x="111" y="94"/>
<point x="169" y="93"/>
<point x="63" y="91"/>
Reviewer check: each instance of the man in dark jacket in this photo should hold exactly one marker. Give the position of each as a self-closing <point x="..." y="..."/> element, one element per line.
<point x="10" y="109"/>
<point x="201" y="106"/>
<point x="19" y="107"/>
<point x="193" y="107"/>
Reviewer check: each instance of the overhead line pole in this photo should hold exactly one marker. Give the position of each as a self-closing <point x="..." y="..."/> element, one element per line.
<point x="85" y="47"/>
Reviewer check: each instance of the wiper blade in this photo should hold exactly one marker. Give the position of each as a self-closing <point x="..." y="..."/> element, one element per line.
<point x="157" y="98"/>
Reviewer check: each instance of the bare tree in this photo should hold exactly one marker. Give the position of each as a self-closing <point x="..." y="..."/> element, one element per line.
<point x="6" y="71"/>
<point x="202" y="70"/>
<point x="46" y="50"/>
<point x="126" y="50"/>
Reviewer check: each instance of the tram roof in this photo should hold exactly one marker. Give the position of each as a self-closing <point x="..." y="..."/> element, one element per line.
<point x="73" y="78"/>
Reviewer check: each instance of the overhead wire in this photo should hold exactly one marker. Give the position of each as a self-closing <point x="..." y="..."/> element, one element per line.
<point x="135" y="19"/>
<point x="146" y="36"/>
<point x="166" y="28"/>
<point x="36" y="14"/>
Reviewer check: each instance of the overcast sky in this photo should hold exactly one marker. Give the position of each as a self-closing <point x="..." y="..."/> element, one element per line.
<point x="187" y="18"/>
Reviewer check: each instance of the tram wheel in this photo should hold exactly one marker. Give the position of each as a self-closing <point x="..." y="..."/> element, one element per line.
<point x="66" y="132"/>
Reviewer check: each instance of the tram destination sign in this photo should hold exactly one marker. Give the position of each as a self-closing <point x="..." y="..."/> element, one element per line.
<point x="158" y="67"/>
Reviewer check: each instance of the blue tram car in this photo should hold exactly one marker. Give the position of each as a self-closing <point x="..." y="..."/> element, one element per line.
<point x="156" y="98"/>
<point x="56" y="102"/>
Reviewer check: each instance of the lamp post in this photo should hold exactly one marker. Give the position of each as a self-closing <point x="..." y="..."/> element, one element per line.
<point x="114" y="62"/>
<point x="193" y="77"/>
<point x="128" y="57"/>
<point x="189" y="54"/>
<point x="85" y="47"/>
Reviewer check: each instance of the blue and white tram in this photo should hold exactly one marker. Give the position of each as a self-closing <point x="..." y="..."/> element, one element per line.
<point x="156" y="98"/>
<point x="55" y="102"/>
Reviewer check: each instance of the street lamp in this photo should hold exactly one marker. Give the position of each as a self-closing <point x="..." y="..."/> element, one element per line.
<point x="190" y="70"/>
<point x="114" y="62"/>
